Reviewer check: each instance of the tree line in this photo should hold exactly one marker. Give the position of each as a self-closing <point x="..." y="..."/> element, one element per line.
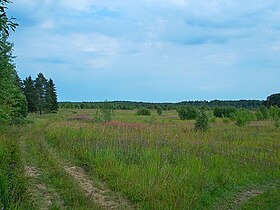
<point x="130" y="105"/>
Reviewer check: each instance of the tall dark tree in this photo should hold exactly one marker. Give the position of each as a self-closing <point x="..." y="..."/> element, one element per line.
<point x="30" y="94"/>
<point x="51" y="96"/>
<point x="13" y="103"/>
<point x="41" y="84"/>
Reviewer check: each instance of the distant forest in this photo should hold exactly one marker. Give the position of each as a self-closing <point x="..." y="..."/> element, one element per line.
<point x="129" y="105"/>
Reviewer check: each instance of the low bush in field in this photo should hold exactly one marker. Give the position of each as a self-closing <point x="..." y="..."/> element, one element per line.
<point x="144" y="111"/>
<point x="159" y="111"/>
<point x="242" y="117"/>
<point x="187" y="113"/>
<point x="202" y="122"/>
<point x="224" y="111"/>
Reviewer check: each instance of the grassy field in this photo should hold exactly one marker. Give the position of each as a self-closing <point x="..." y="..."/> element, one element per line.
<point x="138" y="162"/>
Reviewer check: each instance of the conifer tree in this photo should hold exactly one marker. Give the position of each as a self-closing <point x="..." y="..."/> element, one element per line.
<point x="30" y="94"/>
<point x="53" y="96"/>
<point x="41" y="84"/>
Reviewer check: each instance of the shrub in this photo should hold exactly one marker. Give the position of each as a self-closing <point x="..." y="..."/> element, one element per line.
<point x="259" y="115"/>
<point x="187" y="113"/>
<point x="274" y="111"/>
<point x="97" y="117"/>
<point x="159" y="111"/>
<point x="242" y="117"/>
<point x="264" y="111"/>
<point x="202" y="121"/>
<point x="144" y="111"/>
<point x="277" y="122"/>
<point x="107" y="111"/>
<point x="105" y="114"/>
<point x="224" y="111"/>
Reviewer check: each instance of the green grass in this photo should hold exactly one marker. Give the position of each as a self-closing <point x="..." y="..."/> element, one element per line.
<point x="158" y="162"/>
<point x="13" y="185"/>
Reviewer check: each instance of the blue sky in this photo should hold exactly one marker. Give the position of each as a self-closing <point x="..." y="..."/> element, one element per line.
<point x="151" y="50"/>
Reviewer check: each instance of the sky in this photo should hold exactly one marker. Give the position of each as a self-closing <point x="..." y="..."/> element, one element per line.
<point x="150" y="50"/>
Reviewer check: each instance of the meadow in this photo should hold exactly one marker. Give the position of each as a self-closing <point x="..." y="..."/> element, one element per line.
<point x="68" y="161"/>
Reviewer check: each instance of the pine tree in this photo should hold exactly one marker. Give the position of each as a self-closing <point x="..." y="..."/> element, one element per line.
<point x="30" y="94"/>
<point x="53" y="96"/>
<point x="41" y="84"/>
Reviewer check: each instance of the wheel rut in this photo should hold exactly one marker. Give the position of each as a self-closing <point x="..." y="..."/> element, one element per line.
<point x="242" y="197"/>
<point x="97" y="191"/>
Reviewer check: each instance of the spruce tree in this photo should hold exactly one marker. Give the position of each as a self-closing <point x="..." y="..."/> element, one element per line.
<point x="30" y="94"/>
<point x="53" y="96"/>
<point x="41" y="84"/>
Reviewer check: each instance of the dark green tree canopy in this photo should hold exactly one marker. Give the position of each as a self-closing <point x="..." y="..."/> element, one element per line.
<point x="30" y="94"/>
<point x="41" y="94"/>
<point x="273" y="100"/>
<point x="51" y="96"/>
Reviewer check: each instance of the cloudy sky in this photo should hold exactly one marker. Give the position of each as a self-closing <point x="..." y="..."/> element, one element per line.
<point x="151" y="50"/>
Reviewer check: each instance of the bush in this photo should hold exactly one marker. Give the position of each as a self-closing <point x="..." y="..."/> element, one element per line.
<point x="144" y="112"/>
<point x="107" y="111"/>
<point x="159" y="111"/>
<point x="187" y="113"/>
<point x="259" y="115"/>
<point x="224" y="111"/>
<point x="105" y="114"/>
<point x="277" y="122"/>
<point x="265" y="112"/>
<point x="97" y="117"/>
<point x="202" y="121"/>
<point x="274" y="111"/>
<point x="242" y="117"/>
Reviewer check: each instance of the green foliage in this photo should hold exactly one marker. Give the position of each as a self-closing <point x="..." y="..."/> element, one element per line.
<point x="277" y="122"/>
<point x="265" y="112"/>
<point x="30" y="94"/>
<point x="224" y="111"/>
<point x="131" y="105"/>
<point x="41" y="94"/>
<point x="51" y="97"/>
<point x="97" y="117"/>
<point x="13" y="104"/>
<point x="273" y="100"/>
<point x="6" y="23"/>
<point x="144" y="111"/>
<point x="259" y="115"/>
<point x="242" y="117"/>
<point x="202" y="121"/>
<point x="41" y="87"/>
<point x="159" y="111"/>
<point x="107" y="112"/>
<point x="274" y="111"/>
<point x="187" y="113"/>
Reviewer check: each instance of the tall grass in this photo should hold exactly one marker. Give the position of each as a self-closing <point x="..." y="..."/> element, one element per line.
<point x="170" y="166"/>
<point x="160" y="165"/>
<point x="13" y="183"/>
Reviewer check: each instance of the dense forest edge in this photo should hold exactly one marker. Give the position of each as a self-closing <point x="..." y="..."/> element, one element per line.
<point x="131" y="105"/>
